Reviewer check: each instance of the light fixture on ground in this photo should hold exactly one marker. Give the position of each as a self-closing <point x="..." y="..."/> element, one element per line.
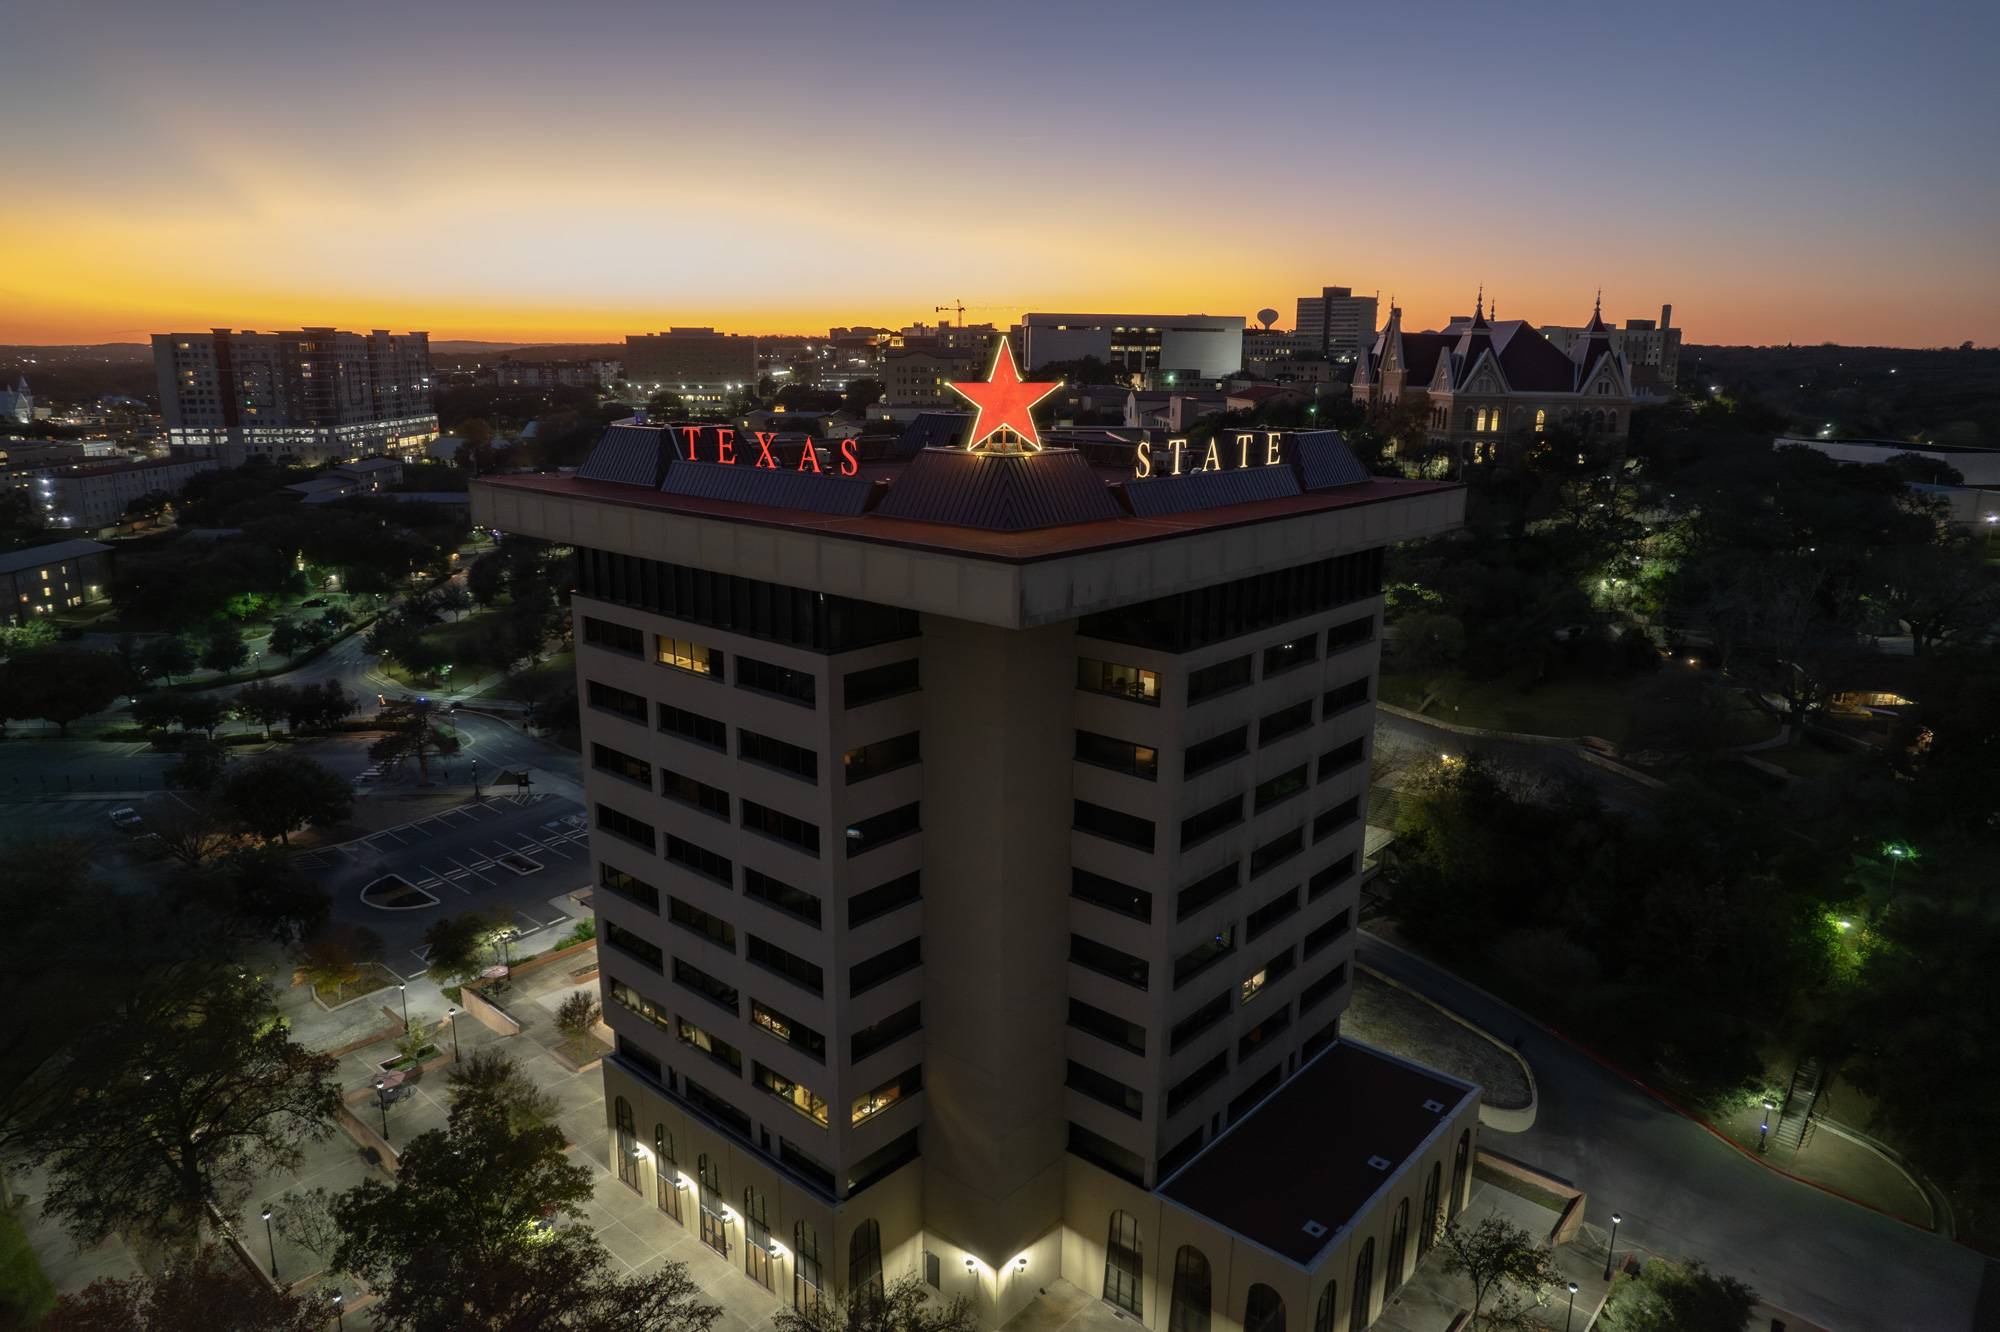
<point x="1611" y="1245"/>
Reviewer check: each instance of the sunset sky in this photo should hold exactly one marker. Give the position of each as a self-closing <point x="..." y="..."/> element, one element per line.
<point x="503" y="170"/>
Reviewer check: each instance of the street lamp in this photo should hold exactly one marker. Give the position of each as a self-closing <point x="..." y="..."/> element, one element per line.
<point x="451" y="1015"/>
<point x="1612" y="1246"/>
<point x="475" y="779"/>
<point x="271" y="1241"/>
<point x="339" y="1314"/>
<point x="382" y="1104"/>
<point x="403" y="988"/>
<point x="1764" y="1129"/>
<point x="1572" y="1307"/>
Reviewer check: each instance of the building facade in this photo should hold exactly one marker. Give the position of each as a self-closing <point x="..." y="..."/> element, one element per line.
<point x="1652" y="350"/>
<point x="1334" y="326"/>
<point x="977" y="862"/>
<point x="43" y="580"/>
<point x="1200" y="346"/>
<point x="90" y="499"/>
<point x="701" y="366"/>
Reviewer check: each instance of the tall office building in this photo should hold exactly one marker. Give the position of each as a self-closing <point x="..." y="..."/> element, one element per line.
<point x="699" y="365"/>
<point x="1652" y="351"/>
<point x="314" y="394"/>
<point x="1193" y="345"/>
<point x="977" y="844"/>
<point x="1337" y="322"/>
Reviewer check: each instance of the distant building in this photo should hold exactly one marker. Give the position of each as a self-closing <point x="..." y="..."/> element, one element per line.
<point x="368" y="476"/>
<point x="1202" y="346"/>
<point x="549" y="374"/>
<point x="89" y="499"/>
<point x="918" y="377"/>
<point x="42" y="580"/>
<point x="17" y="405"/>
<point x="1335" y="325"/>
<point x="699" y="365"/>
<point x="1652" y="351"/>
<point x="312" y="395"/>
<point x="1975" y="467"/>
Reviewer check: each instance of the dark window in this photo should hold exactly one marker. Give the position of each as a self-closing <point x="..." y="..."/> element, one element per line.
<point x="1204" y="955"/>
<point x="866" y="974"/>
<point x="625" y="826"/>
<point x="1197" y="1022"/>
<point x="1124" y="1269"/>
<point x="865" y="835"/>
<point x="858" y="688"/>
<point x="721" y="1051"/>
<point x="786" y="758"/>
<point x="777" y="681"/>
<point x="1220" y="678"/>
<point x="1350" y="695"/>
<point x="792" y="901"/>
<point x="1190" y="1310"/>
<point x="1285" y="721"/>
<point x="1197" y="1082"/>
<point x="1264" y="1311"/>
<point x="891" y="896"/>
<point x="606" y="759"/>
<point x="1333" y="820"/>
<point x="1322" y="935"/>
<point x="1134" y="760"/>
<point x="1108" y="961"/>
<point x="638" y="1058"/>
<point x="1253" y="1040"/>
<point x="1109" y="677"/>
<point x="1245" y="1100"/>
<point x="881" y="1035"/>
<point x="696" y="921"/>
<point x="808" y="1280"/>
<point x="883" y="1162"/>
<point x="796" y="616"/>
<point x="1111" y="895"/>
<point x="1107" y="1155"/>
<point x="692" y="726"/>
<point x="1277" y="851"/>
<point x="1322" y="987"/>
<point x="613" y="637"/>
<point x="1208" y="888"/>
<point x="1280" y="788"/>
<point x="628" y="887"/>
<point x="795" y="1034"/>
<point x="623" y="702"/>
<point x="1282" y="657"/>
<point x="1364" y="1288"/>
<point x="1320" y="1039"/>
<point x="721" y="1111"/>
<point x="700" y="860"/>
<point x="864" y="1262"/>
<point x="1323" y="1317"/>
<point x="1277" y="909"/>
<point x="1114" y="825"/>
<point x="806" y="975"/>
<point x="1324" y="882"/>
<point x="635" y="946"/>
<point x="1352" y="634"/>
<point x="1198" y="828"/>
<point x="1185" y="621"/>
<point x="1342" y="757"/>
<point x="794" y="832"/>
<point x="710" y="800"/>
<point x="1216" y="750"/>
<point x="708" y="987"/>
<point x="1107" y="1026"/>
<point x="880" y="756"/>
<point x="1180" y="1153"/>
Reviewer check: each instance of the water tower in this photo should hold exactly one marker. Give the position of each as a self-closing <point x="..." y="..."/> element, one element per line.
<point x="1267" y="317"/>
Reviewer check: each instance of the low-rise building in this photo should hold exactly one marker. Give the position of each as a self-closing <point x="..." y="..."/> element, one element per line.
<point x="62" y="575"/>
<point x="90" y="499"/>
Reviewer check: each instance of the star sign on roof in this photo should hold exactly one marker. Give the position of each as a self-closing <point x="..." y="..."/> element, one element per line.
<point x="1004" y="402"/>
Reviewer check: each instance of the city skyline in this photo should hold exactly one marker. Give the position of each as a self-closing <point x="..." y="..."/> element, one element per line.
<point x="548" y="175"/>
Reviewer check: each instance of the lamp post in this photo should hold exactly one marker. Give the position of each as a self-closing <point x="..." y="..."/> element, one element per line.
<point x="451" y="1015"/>
<point x="271" y="1241"/>
<point x="339" y="1313"/>
<point x="1764" y="1129"/>
<point x="1611" y="1246"/>
<point x="403" y="988"/>
<point x="475" y="779"/>
<point x="382" y="1104"/>
<point x="1898" y="852"/>
<point x="1571" y="1315"/>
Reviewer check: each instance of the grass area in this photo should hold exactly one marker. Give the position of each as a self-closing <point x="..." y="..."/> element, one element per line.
<point x="1808" y="759"/>
<point x="1655" y="709"/>
<point x="554" y="672"/>
<point x="455" y="639"/>
<point x="25" y="1291"/>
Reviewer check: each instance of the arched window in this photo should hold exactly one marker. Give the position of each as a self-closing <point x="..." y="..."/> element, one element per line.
<point x="1323" y="1319"/>
<point x="864" y="1261"/>
<point x="1459" y="1163"/>
<point x="1431" y="1221"/>
<point x="1264" y="1310"/>
<point x="628" y="1144"/>
<point x="1480" y="423"/>
<point x="1399" y="1243"/>
<point x="1541" y="419"/>
<point x="1364" y="1282"/>
<point x="708" y="1181"/>
<point x="666" y="1173"/>
<point x="1189" y="1310"/>
<point x="756" y="1238"/>
<point x="806" y="1279"/>
<point x="1124" y="1265"/>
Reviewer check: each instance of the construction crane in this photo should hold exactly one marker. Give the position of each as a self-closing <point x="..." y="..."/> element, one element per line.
<point x="957" y="305"/>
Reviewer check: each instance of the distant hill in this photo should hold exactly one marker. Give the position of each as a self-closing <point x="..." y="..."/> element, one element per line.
<point x="97" y="353"/>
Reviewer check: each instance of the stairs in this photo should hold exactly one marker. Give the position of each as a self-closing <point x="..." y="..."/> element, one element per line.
<point x="1794" y="1127"/>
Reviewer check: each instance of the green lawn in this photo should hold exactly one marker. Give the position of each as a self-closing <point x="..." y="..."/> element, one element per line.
<point x="558" y="670"/>
<point x="1560" y="705"/>
<point x="456" y="639"/>
<point x="25" y="1292"/>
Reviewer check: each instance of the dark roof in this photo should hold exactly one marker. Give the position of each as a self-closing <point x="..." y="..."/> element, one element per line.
<point x="1533" y="364"/>
<point x="629" y="454"/>
<point x="999" y="492"/>
<point x="36" y="556"/>
<point x="807" y="491"/>
<point x="1302" y="1154"/>
<point x="1421" y="352"/>
<point x="931" y="430"/>
<point x="1205" y="490"/>
<point x="1325" y="460"/>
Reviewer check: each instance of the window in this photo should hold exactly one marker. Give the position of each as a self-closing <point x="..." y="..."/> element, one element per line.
<point x="700" y="860"/>
<point x="613" y="637"/>
<point x="1198" y="828"/>
<point x="1339" y="872"/>
<point x="721" y="1051"/>
<point x="1285" y="721"/>
<point x="1109" y="677"/>
<point x="800" y="972"/>
<point x="779" y="826"/>
<point x="864" y="1262"/>
<point x="757" y="1238"/>
<point x="1190" y="1308"/>
<point x="687" y="655"/>
<point x="1266" y="917"/>
<point x="606" y="759"/>
<point x="808" y="1278"/>
<point x="1264" y="1311"/>
<point x="1541" y="420"/>
<point x="1350" y="695"/>
<point x="1277" y="851"/>
<point x="633" y="946"/>
<point x="1324" y="986"/>
<point x="1204" y="955"/>
<point x="792" y="901"/>
<point x="625" y="826"/>
<point x="870" y="972"/>
<point x="1106" y="1154"/>
<point x="692" y="726"/>
<point x="1220" y="678"/>
<point x="629" y="888"/>
<point x="880" y="901"/>
<point x="1429" y="1222"/>
<point x="907" y="1083"/>
<point x="1107" y="961"/>
<point x="719" y="993"/>
<point x="666" y="1173"/>
<point x="1282" y="657"/>
<point x="1195" y="1023"/>
<point x="859" y="688"/>
<point x="1107" y="1026"/>
<point x="710" y="800"/>
<point x="708" y="1180"/>
<point x="777" y="681"/>
<point x="1111" y="895"/>
<point x="793" y="1033"/>
<point x="786" y="758"/>
<point x="631" y="999"/>
<point x="881" y="1035"/>
<point x="1399" y="1241"/>
<point x="1323" y="1318"/>
<point x="1197" y="1082"/>
<point x="1098" y="1087"/>
<point x="865" y="835"/>
<point x="1279" y="789"/>
<point x="1352" y="634"/>
<point x="628" y="1144"/>
<point x="622" y="702"/>
<point x="795" y="1094"/>
<point x="880" y="756"/>
<point x="1331" y="821"/>
<point x="1459" y="1162"/>
<point x="1214" y="751"/>
<point x="696" y="921"/>
<point x="639" y="1059"/>
<point x="1364" y="1280"/>
<point x="1209" y="888"/>
<point x="1185" y="621"/>
<point x="1124" y="1267"/>
<point x="1322" y="935"/>
<point x="1113" y="825"/>
<point x="1339" y="759"/>
<point x="1134" y="760"/>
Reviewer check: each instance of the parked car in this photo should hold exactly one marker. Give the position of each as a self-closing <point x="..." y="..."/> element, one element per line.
<point x="126" y="820"/>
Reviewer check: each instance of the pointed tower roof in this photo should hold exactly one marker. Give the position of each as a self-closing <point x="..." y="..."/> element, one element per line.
<point x="1597" y="324"/>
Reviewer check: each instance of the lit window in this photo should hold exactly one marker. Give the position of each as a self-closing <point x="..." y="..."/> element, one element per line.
<point x="686" y="655"/>
<point x="1253" y="986"/>
<point x="1541" y="420"/>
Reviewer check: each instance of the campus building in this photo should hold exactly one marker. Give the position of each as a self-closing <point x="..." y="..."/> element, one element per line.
<point x="976" y="841"/>
<point x="1335" y="325"/>
<point x="702" y="367"/>
<point x="1194" y="346"/>
<point x="46" y="580"/>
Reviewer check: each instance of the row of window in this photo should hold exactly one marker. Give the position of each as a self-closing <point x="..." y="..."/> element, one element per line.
<point x="1185" y="621"/>
<point x="797" y="617"/>
<point x="1142" y="685"/>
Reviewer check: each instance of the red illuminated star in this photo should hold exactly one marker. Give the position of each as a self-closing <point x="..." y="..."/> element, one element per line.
<point x="1004" y="401"/>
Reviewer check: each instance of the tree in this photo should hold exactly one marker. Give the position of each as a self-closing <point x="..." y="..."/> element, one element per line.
<point x="305" y="1219"/>
<point x="486" y="579"/>
<point x="338" y="956"/>
<point x="224" y="649"/>
<point x="259" y="894"/>
<point x="186" y="1091"/>
<point x="458" y="948"/>
<point x="1507" y="1269"/>
<point x="274" y="794"/>
<point x="190" y="831"/>
<point x="61" y="684"/>
<point x="1943" y="592"/>
<point x="577" y="1018"/>
<point x="323" y="708"/>
<point x="203" y="712"/>
<point x="1678" y="1297"/>
<point x="164" y="658"/>
<point x="31" y="634"/>
<point x="494" y="1080"/>
<point x="290" y="637"/>
<point x="410" y="736"/>
<point x="454" y="598"/>
<point x="264" y="702"/>
<point x="211" y="1292"/>
<point x="905" y="1306"/>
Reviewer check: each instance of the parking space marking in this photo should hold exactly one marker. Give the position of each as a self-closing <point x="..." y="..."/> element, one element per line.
<point x="438" y="879"/>
<point x="474" y="869"/>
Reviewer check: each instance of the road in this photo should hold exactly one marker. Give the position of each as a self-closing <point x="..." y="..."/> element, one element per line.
<point x="1395" y="734"/>
<point x="1683" y="1192"/>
